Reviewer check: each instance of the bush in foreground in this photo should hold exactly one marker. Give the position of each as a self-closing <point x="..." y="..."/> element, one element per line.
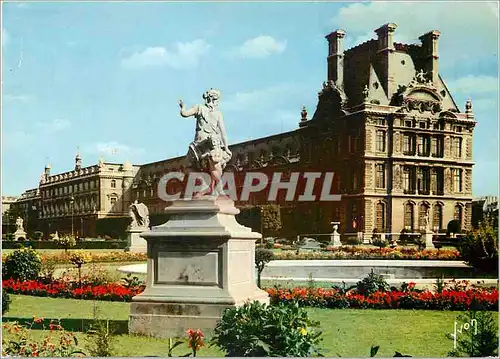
<point x="259" y="330"/>
<point x="22" y="264"/>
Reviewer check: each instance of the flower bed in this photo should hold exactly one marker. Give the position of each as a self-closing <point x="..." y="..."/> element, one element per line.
<point x="485" y="299"/>
<point x="62" y="289"/>
<point x="356" y="252"/>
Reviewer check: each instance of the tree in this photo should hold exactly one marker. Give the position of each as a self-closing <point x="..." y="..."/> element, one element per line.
<point x="479" y="248"/>
<point x="262" y="257"/>
<point x="270" y="218"/>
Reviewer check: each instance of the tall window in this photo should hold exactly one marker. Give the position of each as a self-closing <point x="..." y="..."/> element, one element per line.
<point x="457" y="147"/>
<point x="408" y="220"/>
<point x="423" y="146"/>
<point x="423" y="180"/>
<point x="422" y="213"/>
<point x="406" y="179"/>
<point x="381" y="141"/>
<point x="408" y="145"/>
<point x="354" y="180"/>
<point x="437" y="146"/>
<point x="457" y="180"/>
<point x="113" y="184"/>
<point x="437" y="218"/>
<point x="380" y="176"/>
<point x="458" y="214"/>
<point x="380" y="220"/>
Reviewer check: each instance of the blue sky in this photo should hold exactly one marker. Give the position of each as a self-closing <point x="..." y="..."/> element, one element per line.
<point x="107" y="76"/>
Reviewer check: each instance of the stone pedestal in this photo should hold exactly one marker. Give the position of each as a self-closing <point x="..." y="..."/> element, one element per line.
<point x="20" y="234"/>
<point x="200" y="262"/>
<point x="136" y="243"/>
<point x="428" y="235"/>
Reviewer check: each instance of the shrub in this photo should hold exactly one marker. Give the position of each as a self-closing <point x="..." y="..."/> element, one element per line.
<point x="6" y="300"/>
<point x="453" y="227"/>
<point x="260" y="330"/>
<point x="47" y="270"/>
<point x="22" y="264"/>
<point x="378" y="241"/>
<point x="420" y="241"/>
<point x="371" y="284"/>
<point x="480" y="248"/>
<point x="269" y="243"/>
<point x="100" y="339"/>
<point x="354" y="240"/>
<point x="262" y="257"/>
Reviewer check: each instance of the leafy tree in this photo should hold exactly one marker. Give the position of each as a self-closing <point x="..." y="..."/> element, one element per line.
<point x="270" y="217"/>
<point x="262" y="257"/>
<point x="479" y="248"/>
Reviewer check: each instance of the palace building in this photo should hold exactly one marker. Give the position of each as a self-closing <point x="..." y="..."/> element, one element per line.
<point x="385" y="124"/>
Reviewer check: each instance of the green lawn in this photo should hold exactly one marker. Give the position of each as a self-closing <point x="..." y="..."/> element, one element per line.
<point x="348" y="332"/>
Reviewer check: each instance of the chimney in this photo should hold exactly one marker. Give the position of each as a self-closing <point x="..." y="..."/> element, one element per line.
<point x="430" y="54"/>
<point x="385" y="59"/>
<point x="336" y="57"/>
<point x="385" y="35"/>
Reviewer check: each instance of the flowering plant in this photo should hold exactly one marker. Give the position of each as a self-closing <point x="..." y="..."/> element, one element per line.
<point x="58" y="343"/>
<point x="195" y="340"/>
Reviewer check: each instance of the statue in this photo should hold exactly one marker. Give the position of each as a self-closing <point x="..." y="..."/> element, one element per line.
<point x="420" y="77"/>
<point x="140" y="215"/>
<point x="426" y="220"/>
<point x="19" y="224"/>
<point x="210" y="149"/>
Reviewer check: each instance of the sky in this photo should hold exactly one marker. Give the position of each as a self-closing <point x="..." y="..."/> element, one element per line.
<point x="107" y="77"/>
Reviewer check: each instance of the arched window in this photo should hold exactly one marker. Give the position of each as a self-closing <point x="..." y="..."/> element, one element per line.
<point x="422" y="214"/>
<point x="437" y="218"/>
<point x="380" y="220"/>
<point x="409" y="220"/>
<point x="113" y="184"/>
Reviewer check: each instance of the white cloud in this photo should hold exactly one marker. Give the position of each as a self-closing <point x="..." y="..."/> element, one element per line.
<point x="258" y="99"/>
<point x="112" y="149"/>
<point x="476" y="34"/>
<point x="262" y="46"/>
<point x="475" y="86"/>
<point x="5" y="37"/>
<point x="185" y="55"/>
<point x="54" y="125"/>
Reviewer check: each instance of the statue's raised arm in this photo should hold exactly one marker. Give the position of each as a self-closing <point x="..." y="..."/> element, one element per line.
<point x="188" y="113"/>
